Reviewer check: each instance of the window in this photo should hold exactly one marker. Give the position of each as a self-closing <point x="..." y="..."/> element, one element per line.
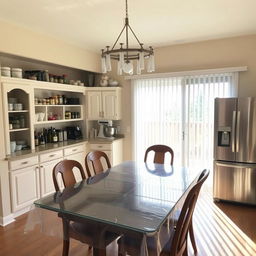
<point x="179" y="112"/>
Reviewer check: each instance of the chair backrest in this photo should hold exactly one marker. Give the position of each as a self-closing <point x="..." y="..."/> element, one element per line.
<point x="65" y="168"/>
<point x="160" y="151"/>
<point x="94" y="158"/>
<point x="179" y="240"/>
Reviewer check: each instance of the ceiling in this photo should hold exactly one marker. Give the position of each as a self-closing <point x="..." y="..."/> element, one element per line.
<point x="93" y="24"/>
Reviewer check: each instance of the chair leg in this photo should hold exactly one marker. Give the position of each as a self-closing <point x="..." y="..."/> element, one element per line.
<point x="192" y="237"/>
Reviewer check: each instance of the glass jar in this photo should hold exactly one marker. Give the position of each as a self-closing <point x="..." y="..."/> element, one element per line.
<point x="22" y="121"/>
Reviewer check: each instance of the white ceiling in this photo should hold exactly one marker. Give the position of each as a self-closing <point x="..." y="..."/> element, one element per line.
<point x="93" y="24"/>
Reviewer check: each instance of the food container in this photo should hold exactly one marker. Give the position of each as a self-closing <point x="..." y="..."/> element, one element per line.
<point x="12" y="146"/>
<point x="18" y="147"/>
<point x="5" y="71"/>
<point x="17" y="72"/>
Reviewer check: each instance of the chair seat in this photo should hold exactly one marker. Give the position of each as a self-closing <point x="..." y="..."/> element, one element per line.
<point x="91" y="234"/>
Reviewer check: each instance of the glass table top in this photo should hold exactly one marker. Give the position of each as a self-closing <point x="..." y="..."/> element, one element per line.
<point x="131" y="195"/>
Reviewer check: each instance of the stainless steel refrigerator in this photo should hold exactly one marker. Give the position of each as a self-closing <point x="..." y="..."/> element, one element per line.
<point x="235" y="150"/>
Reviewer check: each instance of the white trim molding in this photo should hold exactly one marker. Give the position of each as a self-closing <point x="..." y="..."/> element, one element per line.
<point x="189" y="73"/>
<point x="4" y="221"/>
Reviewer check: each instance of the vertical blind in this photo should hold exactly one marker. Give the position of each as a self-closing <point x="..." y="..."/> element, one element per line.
<point x="179" y="112"/>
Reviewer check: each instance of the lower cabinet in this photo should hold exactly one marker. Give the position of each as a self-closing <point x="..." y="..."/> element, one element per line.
<point x="46" y="181"/>
<point x="113" y="149"/>
<point x="25" y="187"/>
<point x="31" y="178"/>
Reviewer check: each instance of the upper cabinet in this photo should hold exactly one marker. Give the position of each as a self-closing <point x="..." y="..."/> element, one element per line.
<point x="104" y="104"/>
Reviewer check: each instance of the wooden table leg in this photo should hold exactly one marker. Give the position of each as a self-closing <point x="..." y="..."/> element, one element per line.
<point x="99" y="252"/>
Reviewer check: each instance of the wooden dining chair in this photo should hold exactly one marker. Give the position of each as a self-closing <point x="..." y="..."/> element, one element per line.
<point x="96" y="159"/>
<point x="87" y="233"/>
<point x="159" y="158"/>
<point x="159" y="151"/>
<point x="176" y="236"/>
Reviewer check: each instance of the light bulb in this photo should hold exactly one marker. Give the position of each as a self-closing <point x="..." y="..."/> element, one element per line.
<point x="103" y="65"/>
<point x="108" y="62"/>
<point x="141" y="60"/>
<point x="119" y="68"/>
<point x="121" y="59"/>
<point x="138" y="67"/>
<point x="128" y="67"/>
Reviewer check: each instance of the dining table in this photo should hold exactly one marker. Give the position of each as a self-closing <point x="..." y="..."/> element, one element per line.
<point x="129" y="198"/>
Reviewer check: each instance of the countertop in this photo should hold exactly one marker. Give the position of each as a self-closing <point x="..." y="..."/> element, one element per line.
<point x="43" y="149"/>
<point x="97" y="140"/>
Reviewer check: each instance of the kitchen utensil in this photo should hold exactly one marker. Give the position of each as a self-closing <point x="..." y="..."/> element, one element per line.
<point x="109" y="131"/>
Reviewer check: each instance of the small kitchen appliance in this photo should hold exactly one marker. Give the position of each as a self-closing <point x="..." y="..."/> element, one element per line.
<point x="104" y="124"/>
<point x="74" y="133"/>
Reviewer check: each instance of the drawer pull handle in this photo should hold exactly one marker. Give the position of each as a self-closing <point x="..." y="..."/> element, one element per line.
<point x="74" y="150"/>
<point x="52" y="155"/>
<point x="99" y="146"/>
<point x="26" y="162"/>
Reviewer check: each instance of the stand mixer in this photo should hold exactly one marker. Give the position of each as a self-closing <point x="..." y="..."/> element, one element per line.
<point x="105" y="124"/>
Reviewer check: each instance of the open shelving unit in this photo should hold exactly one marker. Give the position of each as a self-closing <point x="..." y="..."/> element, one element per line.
<point x="25" y="91"/>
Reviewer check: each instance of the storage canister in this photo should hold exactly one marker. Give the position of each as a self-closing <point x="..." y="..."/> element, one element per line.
<point x="5" y="71"/>
<point x="17" y="72"/>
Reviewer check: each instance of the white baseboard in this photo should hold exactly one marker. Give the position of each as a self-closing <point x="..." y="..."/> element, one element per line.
<point x="6" y="220"/>
<point x="22" y="211"/>
<point x="11" y="218"/>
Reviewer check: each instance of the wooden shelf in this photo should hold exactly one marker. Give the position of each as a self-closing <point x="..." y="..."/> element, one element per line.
<point x="18" y="111"/>
<point x="48" y="105"/>
<point x="59" y="121"/>
<point x="19" y="130"/>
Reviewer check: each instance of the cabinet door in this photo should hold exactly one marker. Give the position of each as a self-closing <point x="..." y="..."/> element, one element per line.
<point x="46" y="180"/>
<point x="94" y="105"/>
<point x="109" y="104"/>
<point x="79" y="157"/>
<point x="25" y="187"/>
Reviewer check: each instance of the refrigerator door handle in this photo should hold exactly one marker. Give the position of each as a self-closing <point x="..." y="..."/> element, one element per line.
<point x="237" y="131"/>
<point x="233" y="131"/>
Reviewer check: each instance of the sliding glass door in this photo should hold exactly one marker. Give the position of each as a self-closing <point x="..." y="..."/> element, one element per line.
<point x="179" y="112"/>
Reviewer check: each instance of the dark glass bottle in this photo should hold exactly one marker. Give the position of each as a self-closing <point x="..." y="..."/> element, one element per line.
<point x="54" y="136"/>
<point x="41" y="139"/>
<point x="49" y="135"/>
<point x="36" y="139"/>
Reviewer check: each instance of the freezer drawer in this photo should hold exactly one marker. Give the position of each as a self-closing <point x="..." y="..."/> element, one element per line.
<point x="235" y="182"/>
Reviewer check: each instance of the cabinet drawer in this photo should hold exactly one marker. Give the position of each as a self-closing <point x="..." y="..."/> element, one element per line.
<point x="101" y="147"/>
<point x="50" y="156"/>
<point x="73" y="150"/>
<point x="22" y="163"/>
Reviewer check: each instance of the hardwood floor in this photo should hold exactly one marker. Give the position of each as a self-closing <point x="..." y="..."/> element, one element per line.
<point x="220" y="229"/>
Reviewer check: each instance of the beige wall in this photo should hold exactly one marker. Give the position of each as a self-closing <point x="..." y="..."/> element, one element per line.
<point x="26" y="43"/>
<point x="230" y="52"/>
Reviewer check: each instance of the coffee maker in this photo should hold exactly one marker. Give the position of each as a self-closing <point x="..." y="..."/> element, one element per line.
<point x="74" y="133"/>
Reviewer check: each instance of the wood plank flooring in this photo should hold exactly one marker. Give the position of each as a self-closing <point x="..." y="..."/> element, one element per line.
<point x="216" y="234"/>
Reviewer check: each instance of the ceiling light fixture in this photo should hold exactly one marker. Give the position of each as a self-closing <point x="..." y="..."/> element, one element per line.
<point x="125" y="55"/>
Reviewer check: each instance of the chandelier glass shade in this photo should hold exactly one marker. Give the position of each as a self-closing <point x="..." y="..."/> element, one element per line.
<point x="126" y="56"/>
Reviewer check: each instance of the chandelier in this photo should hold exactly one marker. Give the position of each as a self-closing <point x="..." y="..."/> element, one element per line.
<point x="126" y="56"/>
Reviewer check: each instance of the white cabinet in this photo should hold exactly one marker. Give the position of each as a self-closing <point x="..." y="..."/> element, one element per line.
<point x="46" y="180"/>
<point x="104" y="104"/>
<point x="114" y="150"/>
<point x="24" y="187"/>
